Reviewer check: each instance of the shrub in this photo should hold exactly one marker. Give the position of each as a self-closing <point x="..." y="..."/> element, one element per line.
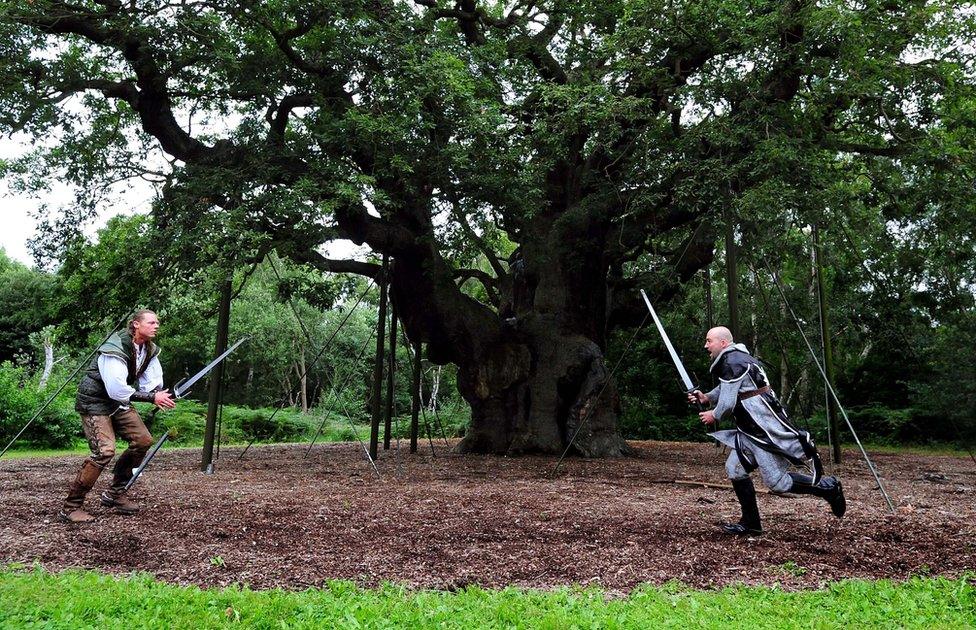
<point x="184" y="425"/>
<point x="642" y="419"/>
<point x="259" y="424"/>
<point x="879" y="423"/>
<point x="57" y="426"/>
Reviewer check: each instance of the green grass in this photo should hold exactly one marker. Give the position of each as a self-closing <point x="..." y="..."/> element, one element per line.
<point x="911" y="449"/>
<point x="82" y="599"/>
<point x="80" y="448"/>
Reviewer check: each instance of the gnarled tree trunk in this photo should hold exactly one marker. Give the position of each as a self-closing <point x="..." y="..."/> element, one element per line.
<point x="533" y="372"/>
<point x="532" y="395"/>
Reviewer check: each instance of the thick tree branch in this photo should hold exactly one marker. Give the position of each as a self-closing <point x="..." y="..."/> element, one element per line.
<point x="536" y="48"/>
<point x="486" y="280"/>
<point x="471" y="17"/>
<point x="479" y="242"/>
<point x="278" y="120"/>
<point x="856" y="147"/>
<point x="330" y="265"/>
<point x="356" y="224"/>
<point x="695" y="252"/>
<point x="149" y="96"/>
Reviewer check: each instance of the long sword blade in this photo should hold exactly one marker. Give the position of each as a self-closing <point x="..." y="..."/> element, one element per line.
<point x="187" y="384"/>
<point x="145" y="460"/>
<point x="682" y="372"/>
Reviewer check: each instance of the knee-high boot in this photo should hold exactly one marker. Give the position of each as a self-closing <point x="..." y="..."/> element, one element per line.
<point x="122" y="472"/>
<point x="750" y="523"/>
<point x="71" y="511"/>
<point x="115" y="495"/>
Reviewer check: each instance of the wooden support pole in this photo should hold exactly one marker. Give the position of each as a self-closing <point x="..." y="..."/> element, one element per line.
<point x="390" y="380"/>
<point x="732" y="276"/>
<point x="374" y="428"/>
<point x="415" y="398"/>
<point x="709" y="308"/>
<point x="828" y="346"/>
<point x="216" y="377"/>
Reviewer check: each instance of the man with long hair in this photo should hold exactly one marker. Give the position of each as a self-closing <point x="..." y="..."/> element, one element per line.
<point x="125" y="370"/>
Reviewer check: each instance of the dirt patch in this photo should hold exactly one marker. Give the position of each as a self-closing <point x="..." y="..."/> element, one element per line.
<point x="278" y="520"/>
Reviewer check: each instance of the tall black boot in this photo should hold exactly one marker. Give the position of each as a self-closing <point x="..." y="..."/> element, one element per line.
<point x="749" y="524"/>
<point x="829" y="489"/>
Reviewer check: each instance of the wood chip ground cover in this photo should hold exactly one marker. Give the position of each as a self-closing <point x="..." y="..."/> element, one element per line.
<point x="276" y="519"/>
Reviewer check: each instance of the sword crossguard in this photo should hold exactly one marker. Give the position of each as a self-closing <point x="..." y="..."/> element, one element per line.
<point x="174" y="388"/>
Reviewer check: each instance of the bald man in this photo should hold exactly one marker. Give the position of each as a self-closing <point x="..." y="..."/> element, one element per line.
<point x="762" y="438"/>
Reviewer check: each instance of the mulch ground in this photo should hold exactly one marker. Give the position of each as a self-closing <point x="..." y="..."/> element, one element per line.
<point x="276" y="519"/>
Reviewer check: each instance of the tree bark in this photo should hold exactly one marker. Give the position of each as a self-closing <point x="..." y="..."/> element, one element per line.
<point x="302" y="375"/>
<point x="533" y="396"/>
<point x="390" y="379"/>
<point x="415" y="398"/>
<point x="827" y="346"/>
<point x="709" y="307"/>
<point x="435" y="387"/>
<point x="217" y="376"/>
<point x="732" y="277"/>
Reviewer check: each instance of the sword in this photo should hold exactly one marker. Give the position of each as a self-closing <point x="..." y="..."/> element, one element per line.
<point x="682" y="372"/>
<point x="183" y="387"/>
<point x="180" y="390"/>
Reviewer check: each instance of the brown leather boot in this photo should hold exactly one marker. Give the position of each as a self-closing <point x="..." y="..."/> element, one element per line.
<point x="115" y="496"/>
<point x="749" y="524"/>
<point x="71" y="511"/>
<point x="121" y="503"/>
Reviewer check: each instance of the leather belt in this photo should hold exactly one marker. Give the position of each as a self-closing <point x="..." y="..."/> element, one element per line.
<point x="755" y="392"/>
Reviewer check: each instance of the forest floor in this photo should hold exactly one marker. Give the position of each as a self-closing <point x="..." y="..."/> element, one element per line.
<point x="276" y="519"/>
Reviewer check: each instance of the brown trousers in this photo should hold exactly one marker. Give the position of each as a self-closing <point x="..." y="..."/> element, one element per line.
<point x="101" y="432"/>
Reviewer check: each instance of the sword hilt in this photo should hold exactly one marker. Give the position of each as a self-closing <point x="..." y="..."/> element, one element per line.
<point x="697" y="403"/>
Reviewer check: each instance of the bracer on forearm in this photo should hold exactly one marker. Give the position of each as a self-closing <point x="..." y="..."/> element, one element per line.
<point x="146" y="397"/>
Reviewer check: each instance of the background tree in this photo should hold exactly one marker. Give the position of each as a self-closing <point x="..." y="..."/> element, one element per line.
<point x="27" y="299"/>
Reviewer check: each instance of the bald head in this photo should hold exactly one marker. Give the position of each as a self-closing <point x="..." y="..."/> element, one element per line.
<point x="720" y="332"/>
<point x="717" y="339"/>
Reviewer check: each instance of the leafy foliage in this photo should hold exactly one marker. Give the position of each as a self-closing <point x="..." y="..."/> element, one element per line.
<point x="27" y="299"/>
<point x="56" y="427"/>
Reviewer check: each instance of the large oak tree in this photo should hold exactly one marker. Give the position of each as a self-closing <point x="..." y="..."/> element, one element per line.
<point x="559" y="154"/>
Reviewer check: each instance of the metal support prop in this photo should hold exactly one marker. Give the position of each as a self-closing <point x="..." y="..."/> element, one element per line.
<point x="216" y="377"/>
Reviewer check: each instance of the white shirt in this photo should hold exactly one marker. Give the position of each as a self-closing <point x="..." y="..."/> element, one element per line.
<point x="114" y="372"/>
